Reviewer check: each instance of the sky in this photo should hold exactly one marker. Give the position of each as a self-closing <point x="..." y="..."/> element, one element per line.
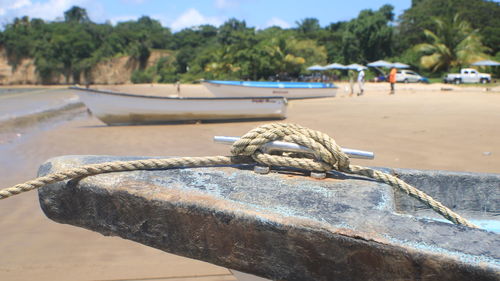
<point x="179" y="14"/>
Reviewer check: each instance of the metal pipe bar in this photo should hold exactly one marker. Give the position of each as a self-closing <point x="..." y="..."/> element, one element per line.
<point x="292" y="147"/>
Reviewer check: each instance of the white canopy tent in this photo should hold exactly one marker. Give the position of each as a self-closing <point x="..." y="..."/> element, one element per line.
<point x="386" y="64"/>
<point x="355" y="66"/>
<point x="400" y="65"/>
<point x="316" y="67"/>
<point x="380" y="63"/>
<point x="335" y="66"/>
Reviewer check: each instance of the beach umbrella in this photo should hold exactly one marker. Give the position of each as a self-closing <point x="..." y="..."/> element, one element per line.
<point x="335" y="66"/>
<point x="316" y="68"/>
<point x="486" y="63"/>
<point x="400" y="65"/>
<point x="355" y="66"/>
<point x="380" y="63"/>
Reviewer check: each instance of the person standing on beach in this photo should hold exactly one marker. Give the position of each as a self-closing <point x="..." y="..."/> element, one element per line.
<point x="350" y="73"/>
<point x="392" y="79"/>
<point x="361" y="81"/>
<point x="178" y="87"/>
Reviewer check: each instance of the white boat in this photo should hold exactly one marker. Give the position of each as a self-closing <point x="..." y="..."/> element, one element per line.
<point x="115" y="108"/>
<point x="289" y="90"/>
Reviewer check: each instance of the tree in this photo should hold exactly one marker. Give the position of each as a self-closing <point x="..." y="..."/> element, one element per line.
<point x="453" y="44"/>
<point x="331" y="38"/>
<point x="76" y="15"/>
<point x="194" y="37"/>
<point x="230" y="30"/>
<point x="281" y="62"/>
<point x="308" y="28"/>
<point x="237" y="51"/>
<point x="481" y="14"/>
<point x="137" y="38"/>
<point x="18" y="40"/>
<point x="65" y="48"/>
<point x="369" y="36"/>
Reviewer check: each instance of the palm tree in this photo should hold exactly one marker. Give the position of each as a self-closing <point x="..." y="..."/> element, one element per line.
<point x="282" y="60"/>
<point x="453" y="44"/>
<point x="221" y="66"/>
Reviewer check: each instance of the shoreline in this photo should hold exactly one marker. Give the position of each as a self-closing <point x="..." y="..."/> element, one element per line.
<point x="171" y="87"/>
<point x="26" y="112"/>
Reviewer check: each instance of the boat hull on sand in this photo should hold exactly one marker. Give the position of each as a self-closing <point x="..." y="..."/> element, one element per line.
<point x="115" y="108"/>
<point x="289" y="90"/>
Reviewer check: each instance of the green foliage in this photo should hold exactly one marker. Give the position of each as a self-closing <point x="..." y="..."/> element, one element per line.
<point x="453" y="44"/>
<point x="72" y="47"/>
<point x="495" y="70"/>
<point x="166" y="70"/>
<point x="308" y="28"/>
<point x="143" y="76"/>
<point x="193" y="37"/>
<point x="368" y="37"/>
<point x="76" y="15"/>
<point x="481" y="14"/>
<point x="247" y="54"/>
<point x="18" y="39"/>
<point x="136" y="38"/>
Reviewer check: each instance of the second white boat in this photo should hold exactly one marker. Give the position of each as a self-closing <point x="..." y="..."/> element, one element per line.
<point x="289" y="90"/>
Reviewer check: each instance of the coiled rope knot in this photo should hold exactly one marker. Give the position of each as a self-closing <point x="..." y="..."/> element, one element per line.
<point x="328" y="155"/>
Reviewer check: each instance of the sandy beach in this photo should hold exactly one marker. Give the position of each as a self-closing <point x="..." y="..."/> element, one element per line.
<point x="431" y="127"/>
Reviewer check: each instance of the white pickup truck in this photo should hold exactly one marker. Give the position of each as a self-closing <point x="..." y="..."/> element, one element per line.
<point x="467" y="75"/>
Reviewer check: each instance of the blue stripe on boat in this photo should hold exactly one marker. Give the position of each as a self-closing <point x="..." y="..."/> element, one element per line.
<point x="278" y="85"/>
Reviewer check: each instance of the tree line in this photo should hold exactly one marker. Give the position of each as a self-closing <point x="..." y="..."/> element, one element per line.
<point x="433" y="36"/>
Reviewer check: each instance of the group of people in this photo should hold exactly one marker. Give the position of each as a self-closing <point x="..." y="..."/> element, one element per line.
<point x="361" y="81"/>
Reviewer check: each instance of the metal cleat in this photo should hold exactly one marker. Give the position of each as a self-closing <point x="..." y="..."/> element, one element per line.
<point x="292" y="147"/>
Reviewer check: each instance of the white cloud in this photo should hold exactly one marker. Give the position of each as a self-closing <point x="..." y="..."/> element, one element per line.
<point x="20" y="4"/>
<point x="9" y="5"/>
<point x="51" y="9"/>
<point x="48" y="10"/>
<point x="277" y="22"/>
<point x="193" y="18"/>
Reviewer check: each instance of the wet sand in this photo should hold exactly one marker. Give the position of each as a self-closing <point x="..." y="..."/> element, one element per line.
<point x="421" y="127"/>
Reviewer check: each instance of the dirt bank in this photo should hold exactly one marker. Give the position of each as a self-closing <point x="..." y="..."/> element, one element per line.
<point x="117" y="70"/>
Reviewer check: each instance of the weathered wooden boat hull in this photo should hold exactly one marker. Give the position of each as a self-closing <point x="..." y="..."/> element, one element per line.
<point x="286" y="226"/>
<point x="301" y="90"/>
<point x="121" y="109"/>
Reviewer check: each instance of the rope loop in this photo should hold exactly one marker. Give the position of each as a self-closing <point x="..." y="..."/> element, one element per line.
<point x="329" y="155"/>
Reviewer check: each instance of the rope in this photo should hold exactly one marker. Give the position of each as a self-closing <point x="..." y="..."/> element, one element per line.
<point x="116" y="166"/>
<point x="329" y="156"/>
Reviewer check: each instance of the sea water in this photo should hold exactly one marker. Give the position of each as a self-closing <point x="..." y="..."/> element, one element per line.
<point x="16" y="103"/>
<point x="27" y="110"/>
